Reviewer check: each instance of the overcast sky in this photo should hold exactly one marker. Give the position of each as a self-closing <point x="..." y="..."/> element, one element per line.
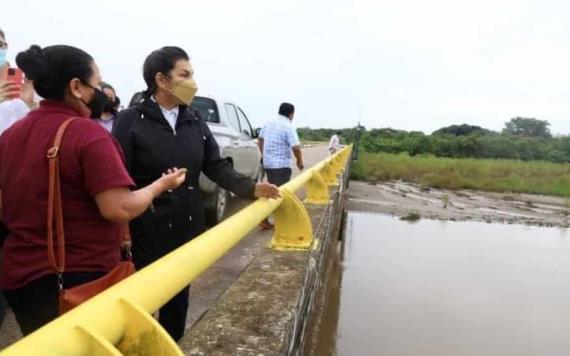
<point x="412" y="65"/>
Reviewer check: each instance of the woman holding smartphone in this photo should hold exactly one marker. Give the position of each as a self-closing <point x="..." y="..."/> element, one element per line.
<point x="16" y="98"/>
<point x="15" y="103"/>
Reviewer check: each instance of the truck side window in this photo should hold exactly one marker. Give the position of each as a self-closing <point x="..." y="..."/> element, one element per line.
<point x="206" y="108"/>
<point x="244" y="124"/>
<point x="232" y="117"/>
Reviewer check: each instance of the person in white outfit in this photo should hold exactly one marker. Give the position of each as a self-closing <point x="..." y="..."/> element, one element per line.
<point x="12" y="109"/>
<point x="334" y="143"/>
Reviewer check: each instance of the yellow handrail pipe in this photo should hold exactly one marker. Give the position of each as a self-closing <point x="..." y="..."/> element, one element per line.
<point x="118" y="321"/>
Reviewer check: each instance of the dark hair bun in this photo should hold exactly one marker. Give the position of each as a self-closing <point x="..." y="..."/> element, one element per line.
<point x="53" y="67"/>
<point x="33" y="62"/>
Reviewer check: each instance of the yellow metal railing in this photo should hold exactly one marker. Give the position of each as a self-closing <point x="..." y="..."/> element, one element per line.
<point x="118" y="321"/>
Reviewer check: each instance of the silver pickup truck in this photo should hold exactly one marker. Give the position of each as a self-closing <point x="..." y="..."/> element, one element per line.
<point x="238" y="142"/>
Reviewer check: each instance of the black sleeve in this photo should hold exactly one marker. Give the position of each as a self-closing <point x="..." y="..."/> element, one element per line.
<point x="123" y="134"/>
<point x="220" y="170"/>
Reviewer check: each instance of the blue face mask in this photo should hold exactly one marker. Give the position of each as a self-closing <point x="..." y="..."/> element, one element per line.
<point x="3" y="54"/>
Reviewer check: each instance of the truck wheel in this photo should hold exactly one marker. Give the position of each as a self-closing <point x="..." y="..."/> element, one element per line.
<point x="217" y="204"/>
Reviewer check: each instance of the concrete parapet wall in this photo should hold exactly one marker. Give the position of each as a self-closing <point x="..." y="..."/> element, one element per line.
<point x="275" y="305"/>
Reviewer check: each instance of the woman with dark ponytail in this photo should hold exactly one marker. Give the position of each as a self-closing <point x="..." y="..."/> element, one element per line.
<point x="162" y="130"/>
<point x="95" y="186"/>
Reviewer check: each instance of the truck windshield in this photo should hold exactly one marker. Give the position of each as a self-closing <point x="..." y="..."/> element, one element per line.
<point x="207" y="109"/>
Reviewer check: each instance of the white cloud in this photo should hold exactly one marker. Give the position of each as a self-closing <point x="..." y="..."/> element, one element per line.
<point x="416" y="65"/>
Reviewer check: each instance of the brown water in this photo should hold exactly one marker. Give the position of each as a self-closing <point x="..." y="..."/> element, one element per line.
<point x="449" y="288"/>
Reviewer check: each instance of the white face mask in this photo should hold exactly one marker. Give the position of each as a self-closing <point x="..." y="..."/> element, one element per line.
<point x="3" y="54"/>
<point x="185" y="90"/>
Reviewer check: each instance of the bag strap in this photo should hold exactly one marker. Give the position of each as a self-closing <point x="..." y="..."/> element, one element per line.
<point x="55" y="211"/>
<point x="54" y="207"/>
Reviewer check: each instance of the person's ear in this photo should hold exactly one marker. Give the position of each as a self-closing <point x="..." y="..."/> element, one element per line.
<point x="162" y="81"/>
<point x="75" y="88"/>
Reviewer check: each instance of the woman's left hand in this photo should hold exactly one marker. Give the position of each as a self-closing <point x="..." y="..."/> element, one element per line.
<point x="267" y="190"/>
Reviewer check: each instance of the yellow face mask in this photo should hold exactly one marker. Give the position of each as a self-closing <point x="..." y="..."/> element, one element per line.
<point x="185" y="90"/>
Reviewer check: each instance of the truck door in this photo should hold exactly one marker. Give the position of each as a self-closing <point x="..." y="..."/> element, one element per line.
<point x="236" y="149"/>
<point x="252" y="156"/>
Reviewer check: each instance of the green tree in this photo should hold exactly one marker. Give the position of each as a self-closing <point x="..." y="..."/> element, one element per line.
<point x="460" y="141"/>
<point x="461" y="130"/>
<point x="530" y="127"/>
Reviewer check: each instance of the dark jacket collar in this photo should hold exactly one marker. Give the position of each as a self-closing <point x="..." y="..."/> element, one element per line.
<point x="151" y="109"/>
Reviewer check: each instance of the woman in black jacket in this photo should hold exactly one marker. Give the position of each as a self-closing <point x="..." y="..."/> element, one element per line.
<point x="162" y="132"/>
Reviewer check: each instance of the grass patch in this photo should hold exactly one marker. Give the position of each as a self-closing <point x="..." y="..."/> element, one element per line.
<point x="505" y="176"/>
<point x="413" y="216"/>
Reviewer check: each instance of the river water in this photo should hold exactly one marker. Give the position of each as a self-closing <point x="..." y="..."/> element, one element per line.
<point x="448" y="288"/>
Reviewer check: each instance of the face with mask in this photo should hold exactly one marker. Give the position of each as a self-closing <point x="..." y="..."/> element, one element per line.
<point x="112" y="100"/>
<point x="97" y="103"/>
<point x="86" y="96"/>
<point x="3" y="51"/>
<point x="185" y="90"/>
<point x="3" y="54"/>
<point x="179" y="84"/>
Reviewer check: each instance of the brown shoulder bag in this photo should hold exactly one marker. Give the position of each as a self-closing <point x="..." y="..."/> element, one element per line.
<point x="72" y="297"/>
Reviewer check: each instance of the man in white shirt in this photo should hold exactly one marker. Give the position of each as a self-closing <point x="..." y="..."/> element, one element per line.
<point x="334" y="143"/>
<point x="277" y="140"/>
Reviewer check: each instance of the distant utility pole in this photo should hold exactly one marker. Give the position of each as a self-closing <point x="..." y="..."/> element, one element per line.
<point x="358" y="134"/>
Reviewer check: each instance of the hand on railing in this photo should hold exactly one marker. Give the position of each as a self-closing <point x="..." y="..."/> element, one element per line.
<point x="267" y="190"/>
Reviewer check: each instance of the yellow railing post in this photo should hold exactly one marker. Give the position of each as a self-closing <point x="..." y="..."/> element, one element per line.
<point x="337" y="163"/>
<point x="293" y="229"/>
<point x="317" y="190"/>
<point x="329" y="174"/>
<point x="144" y="335"/>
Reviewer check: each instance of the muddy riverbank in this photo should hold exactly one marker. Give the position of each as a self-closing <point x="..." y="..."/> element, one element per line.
<point x="407" y="200"/>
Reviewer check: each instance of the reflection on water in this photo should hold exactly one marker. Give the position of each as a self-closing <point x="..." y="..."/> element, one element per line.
<point x="455" y="288"/>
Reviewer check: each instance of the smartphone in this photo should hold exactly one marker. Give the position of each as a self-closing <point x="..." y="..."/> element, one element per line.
<point x="16" y="76"/>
